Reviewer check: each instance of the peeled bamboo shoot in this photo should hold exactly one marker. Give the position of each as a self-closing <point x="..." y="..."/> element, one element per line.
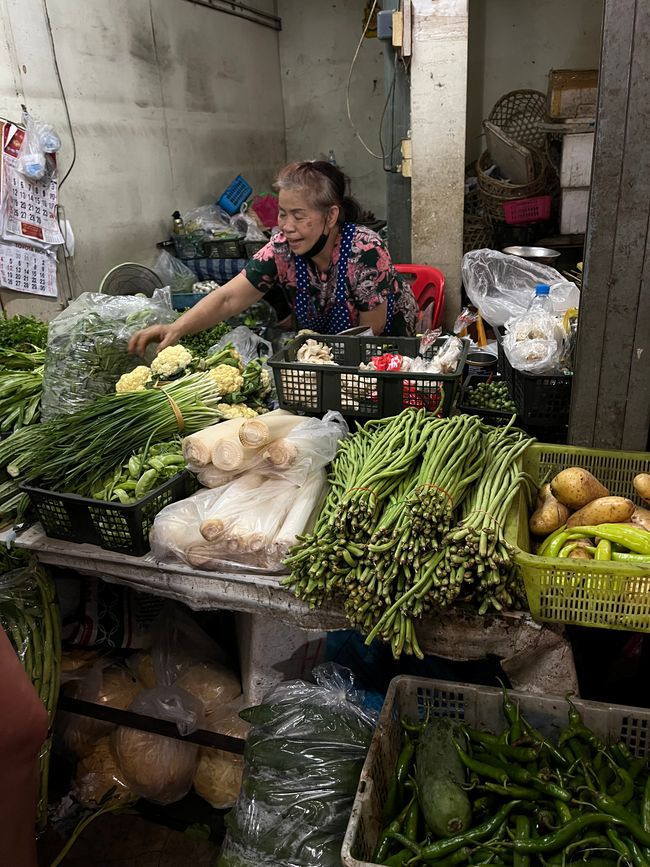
<point x="197" y="448"/>
<point x="282" y="453"/>
<point x="258" y="432"/>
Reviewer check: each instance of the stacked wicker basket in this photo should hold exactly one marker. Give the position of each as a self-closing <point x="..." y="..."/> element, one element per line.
<point x="518" y="114"/>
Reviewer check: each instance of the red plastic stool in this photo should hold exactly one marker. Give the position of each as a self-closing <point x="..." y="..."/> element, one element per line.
<point x="428" y="285"/>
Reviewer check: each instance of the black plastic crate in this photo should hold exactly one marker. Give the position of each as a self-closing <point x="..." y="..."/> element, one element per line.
<point x="542" y="401"/>
<point x="113" y="526"/>
<point x="495" y="417"/>
<point x="316" y="388"/>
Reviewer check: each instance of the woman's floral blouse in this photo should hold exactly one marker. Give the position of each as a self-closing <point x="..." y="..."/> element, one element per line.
<point x="371" y="278"/>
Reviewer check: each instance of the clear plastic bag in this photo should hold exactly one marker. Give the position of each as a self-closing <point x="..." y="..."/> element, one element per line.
<point x="503" y="286"/>
<point x="534" y="343"/>
<point x="249" y="345"/>
<point x="247" y="227"/>
<point x="303" y="758"/>
<point x="210" y="224"/>
<point x="218" y="775"/>
<point x="87" y="346"/>
<point x="174" y="273"/>
<point x="155" y="767"/>
<point x="40" y="139"/>
<point x="179" y="644"/>
<point x="98" y="774"/>
<point x="306" y="448"/>
<point x="105" y="684"/>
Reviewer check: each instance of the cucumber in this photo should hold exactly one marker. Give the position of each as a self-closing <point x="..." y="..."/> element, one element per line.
<point x="439" y="775"/>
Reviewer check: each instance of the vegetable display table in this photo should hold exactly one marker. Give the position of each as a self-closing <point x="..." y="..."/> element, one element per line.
<point x="536" y="658"/>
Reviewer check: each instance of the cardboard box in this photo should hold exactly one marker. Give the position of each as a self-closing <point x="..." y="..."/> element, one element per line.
<point x="572" y="93"/>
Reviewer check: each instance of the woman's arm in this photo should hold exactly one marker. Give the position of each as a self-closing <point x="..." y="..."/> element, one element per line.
<point x="222" y="303"/>
<point x="375" y="318"/>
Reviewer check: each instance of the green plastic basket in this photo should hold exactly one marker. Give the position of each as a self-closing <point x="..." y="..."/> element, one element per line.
<point x="582" y="592"/>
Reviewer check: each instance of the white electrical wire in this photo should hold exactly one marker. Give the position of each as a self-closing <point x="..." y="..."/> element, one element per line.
<point x="347" y="89"/>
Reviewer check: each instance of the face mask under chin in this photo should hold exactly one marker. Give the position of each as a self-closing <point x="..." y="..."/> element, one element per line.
<point x="316" y="248"/>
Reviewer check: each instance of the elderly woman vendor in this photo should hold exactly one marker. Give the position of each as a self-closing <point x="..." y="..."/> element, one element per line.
<point x="336" y="273"/>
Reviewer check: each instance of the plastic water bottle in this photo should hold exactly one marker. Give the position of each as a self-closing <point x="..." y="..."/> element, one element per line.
<point x="542" y="299"/>
<point x="331" y="158"/>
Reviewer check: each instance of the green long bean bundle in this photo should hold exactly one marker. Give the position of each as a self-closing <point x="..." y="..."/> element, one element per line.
<point x="413" y="523"/>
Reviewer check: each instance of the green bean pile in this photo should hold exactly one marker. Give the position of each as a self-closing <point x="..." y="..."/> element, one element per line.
<point x="534" y="802"/>
<point x="413" y="522"/>
<point x="30" y="616"/>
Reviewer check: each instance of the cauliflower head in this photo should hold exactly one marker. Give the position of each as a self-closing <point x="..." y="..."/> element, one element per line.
<point x="228" y="378"/>
<point x="172" y="360"/>
<point x="236" y="410"/>
<point x="265" y="381"/>
<point x="136" y="380"/>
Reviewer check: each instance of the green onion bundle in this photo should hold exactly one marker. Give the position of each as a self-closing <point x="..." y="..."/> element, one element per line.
<point x="72" y="452"/>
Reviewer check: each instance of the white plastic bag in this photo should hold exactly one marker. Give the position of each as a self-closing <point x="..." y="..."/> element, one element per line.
<point x="534" y="343"/>
<point x="503" y="286"/>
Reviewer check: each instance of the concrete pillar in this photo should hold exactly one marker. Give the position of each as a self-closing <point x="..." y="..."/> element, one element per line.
<point x="438" y="114"/>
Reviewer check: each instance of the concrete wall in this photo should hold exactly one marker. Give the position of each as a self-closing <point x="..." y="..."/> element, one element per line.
<point x="514" y="43"/>
<point x="317" y="43"/>
<point x="169" y="101"/>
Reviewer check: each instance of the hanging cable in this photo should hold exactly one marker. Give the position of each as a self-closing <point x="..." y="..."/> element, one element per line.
<point x="347" y="89"/>
<point x="62" y="89"/>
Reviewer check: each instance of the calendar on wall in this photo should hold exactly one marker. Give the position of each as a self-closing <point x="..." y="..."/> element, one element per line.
<point x="28" y="223"/>
<point x="25" y="269"/>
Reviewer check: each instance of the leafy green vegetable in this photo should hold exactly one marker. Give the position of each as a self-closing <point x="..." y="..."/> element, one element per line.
<point x="200" y="344"/>
<point x="87" y="347"/>
<point x="22" y="333"/>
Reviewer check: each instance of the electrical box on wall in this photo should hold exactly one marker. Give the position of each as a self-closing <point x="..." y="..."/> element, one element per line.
<point x="385" y="24"/>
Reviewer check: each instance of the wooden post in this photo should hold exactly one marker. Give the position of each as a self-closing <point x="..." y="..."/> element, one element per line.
<point x="611" y="390"/>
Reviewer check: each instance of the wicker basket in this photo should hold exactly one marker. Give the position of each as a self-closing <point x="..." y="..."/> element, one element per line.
<point x="477" y="233"/>
<point x="495" y="192"/>
<point x="518" y="114"/>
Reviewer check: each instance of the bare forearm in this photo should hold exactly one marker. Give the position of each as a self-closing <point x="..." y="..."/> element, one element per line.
<point x="219" y="305"/>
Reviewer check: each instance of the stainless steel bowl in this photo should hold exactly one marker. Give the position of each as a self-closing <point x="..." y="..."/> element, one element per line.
<point x="544" y="255"/>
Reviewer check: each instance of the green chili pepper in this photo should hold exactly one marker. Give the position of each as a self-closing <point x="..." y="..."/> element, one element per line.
<point x="437" y="850"/>
<point x="398" y="859"/>
<point x="625" y="791"/>
<point x="645" y="806"/>
<point x="404" y="762"/>
<point x="412" y="821"/>
<point x="558" y="839"/>
<point x="603" y="550"/>
<point x="632" y="538"/>
<point x="638" y="857"/>
<point x="519" y="754"/>
<point x="383" y="844"/>
<point x="563" y="812"/>
<point x="522" y="832"/>
<point x="551" y="540"/>
<point x="548" y="747"/>
<point x="617" y="811"/>
<point x="519" y="792"/>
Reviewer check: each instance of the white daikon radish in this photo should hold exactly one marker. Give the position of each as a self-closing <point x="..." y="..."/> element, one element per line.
<point x="197" y="447"/>
<point x="256" y="433"/>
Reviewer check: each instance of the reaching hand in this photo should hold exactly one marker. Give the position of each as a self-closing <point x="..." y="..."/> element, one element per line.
<point x="165" y="335"/>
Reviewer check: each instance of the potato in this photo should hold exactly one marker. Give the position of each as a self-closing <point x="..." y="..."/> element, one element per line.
<point x="576" y="487"/>
<point x="641" y="518"/>
<point x="549" y="515"/>
<point x="642" y="486"/>
<point x="580" y="553"/>
<point x="604" y="510"/>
